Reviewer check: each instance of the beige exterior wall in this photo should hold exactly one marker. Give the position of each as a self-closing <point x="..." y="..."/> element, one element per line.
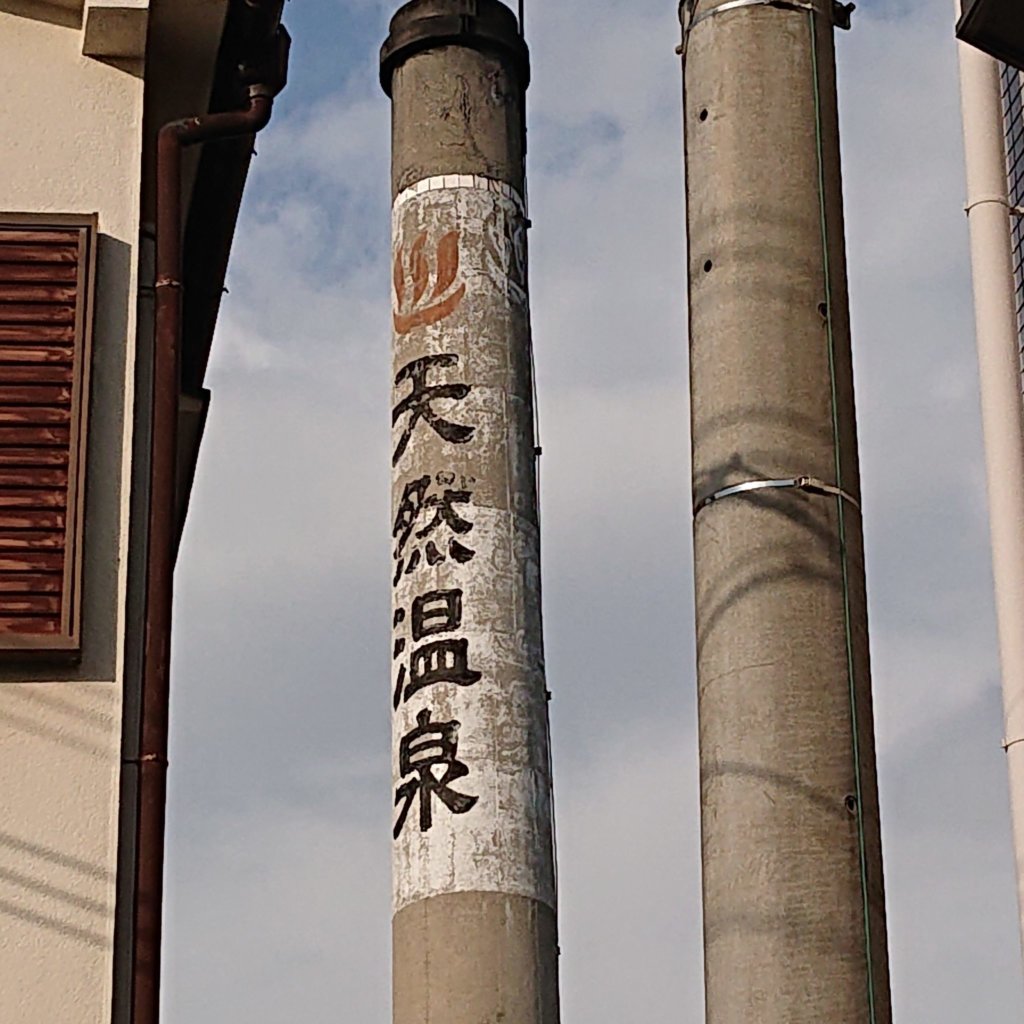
<point x="72" y="128"/>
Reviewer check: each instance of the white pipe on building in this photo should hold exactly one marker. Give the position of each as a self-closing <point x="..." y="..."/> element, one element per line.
<point x="1001" y="404"/>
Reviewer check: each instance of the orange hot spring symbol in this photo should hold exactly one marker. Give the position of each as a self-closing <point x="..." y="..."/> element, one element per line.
<point x="417" y="304"/>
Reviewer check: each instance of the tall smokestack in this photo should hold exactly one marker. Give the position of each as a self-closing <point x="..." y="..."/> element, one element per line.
<point x="794" y="906"/>
<point x="474" y="929"/>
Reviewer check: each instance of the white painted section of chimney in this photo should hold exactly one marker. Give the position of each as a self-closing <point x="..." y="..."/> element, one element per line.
<point x="503" y="843"/>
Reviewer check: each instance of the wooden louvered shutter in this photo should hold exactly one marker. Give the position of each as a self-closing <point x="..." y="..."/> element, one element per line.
<point x="45" y="316"/>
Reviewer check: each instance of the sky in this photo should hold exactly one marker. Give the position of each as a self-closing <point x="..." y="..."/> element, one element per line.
<point x="278" y="888"/>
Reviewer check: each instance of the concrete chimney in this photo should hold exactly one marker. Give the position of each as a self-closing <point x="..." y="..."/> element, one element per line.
<point x="794" y="907"/>
<point x="474" y="927"/>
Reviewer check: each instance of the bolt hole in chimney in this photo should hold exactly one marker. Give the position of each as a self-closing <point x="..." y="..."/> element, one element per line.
<point x="823" y="310"/>
<point x="707" y="266"/>
<point x="851" y="804"/>
<point x="704" y="114"/>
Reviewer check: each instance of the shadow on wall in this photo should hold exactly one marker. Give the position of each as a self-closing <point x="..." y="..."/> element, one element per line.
<point x="39" y="10"/>
<point x="70" y="17"/>
<point x="25" y="893"/>
<point x="59" y="747"/>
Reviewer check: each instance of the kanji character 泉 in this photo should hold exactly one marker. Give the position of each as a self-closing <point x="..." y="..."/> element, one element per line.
<point x="430" y="745"/>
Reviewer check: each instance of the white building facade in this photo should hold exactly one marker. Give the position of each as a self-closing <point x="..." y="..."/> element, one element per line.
<point x="87" y="86"/>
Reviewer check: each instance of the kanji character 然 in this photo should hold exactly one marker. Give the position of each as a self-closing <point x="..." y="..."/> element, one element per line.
<point x="416" y="502"/>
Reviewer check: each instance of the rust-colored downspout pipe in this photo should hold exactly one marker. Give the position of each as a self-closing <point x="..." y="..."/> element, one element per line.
<point x="148" y="902"/>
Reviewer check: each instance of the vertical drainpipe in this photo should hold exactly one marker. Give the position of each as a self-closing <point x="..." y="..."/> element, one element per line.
<point x="474" y="927"/>
<point x="794" y="907"/>
<point x="161" y="542"/>
<point x="1001" y="404"/>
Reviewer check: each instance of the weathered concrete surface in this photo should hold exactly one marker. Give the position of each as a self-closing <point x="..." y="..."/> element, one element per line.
<point x="794" y="908"/>
<point x="456" y="111"/>
<point x="479" y="930"/>
<point x="474" y="931"/>
<point x="459" y="109"/>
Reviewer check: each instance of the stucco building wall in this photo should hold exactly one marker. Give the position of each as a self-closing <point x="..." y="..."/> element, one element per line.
<point x="71" y="127"/>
